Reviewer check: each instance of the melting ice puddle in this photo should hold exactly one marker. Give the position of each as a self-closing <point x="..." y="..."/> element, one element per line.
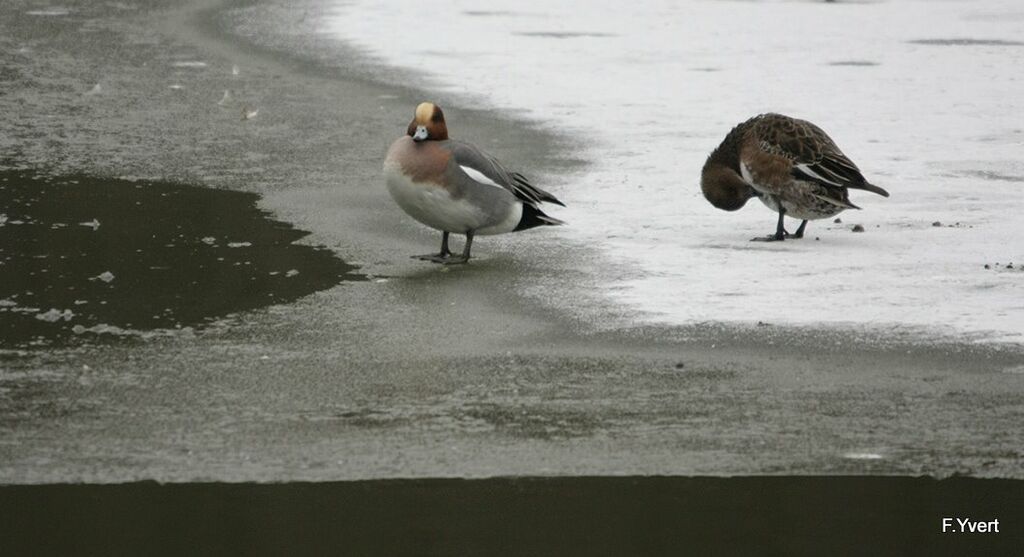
<point x="167" y="256"/>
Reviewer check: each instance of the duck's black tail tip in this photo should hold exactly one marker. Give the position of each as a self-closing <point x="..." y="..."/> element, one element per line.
<point x="532" y="217"/>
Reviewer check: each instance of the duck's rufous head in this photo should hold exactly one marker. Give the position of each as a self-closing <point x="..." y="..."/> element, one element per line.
<point x="428" y="123"/>
<point x="724" y="188"/>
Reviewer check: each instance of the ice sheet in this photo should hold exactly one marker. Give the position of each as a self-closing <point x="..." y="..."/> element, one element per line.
<point x="926" y="97"/>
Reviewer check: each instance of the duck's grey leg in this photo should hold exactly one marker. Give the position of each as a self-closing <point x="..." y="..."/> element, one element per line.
<point x="464" y="258"/>
<point x="780" y="231"/>
<point x="438" y="257"/>
<point x="799" y="231"/>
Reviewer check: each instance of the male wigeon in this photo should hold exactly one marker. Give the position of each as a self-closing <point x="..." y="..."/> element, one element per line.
<point x="455" y="187"/>
<point x="791" y="165"/>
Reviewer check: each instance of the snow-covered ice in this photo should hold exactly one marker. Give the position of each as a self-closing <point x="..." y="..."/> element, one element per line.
<point x="927" y="97"/>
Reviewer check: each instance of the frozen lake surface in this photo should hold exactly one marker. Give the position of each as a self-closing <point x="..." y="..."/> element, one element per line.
<point x="926" y="97"/>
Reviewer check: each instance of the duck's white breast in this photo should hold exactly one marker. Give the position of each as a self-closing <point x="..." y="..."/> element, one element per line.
<point x="431" y="204"/>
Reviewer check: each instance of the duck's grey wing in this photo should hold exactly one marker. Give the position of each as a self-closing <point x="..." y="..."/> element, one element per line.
<point x="815" y="157"/>
<point x="472" y="160"/>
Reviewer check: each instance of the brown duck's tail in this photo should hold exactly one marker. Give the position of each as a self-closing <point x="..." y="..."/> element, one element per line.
<point x="873" y="189"/>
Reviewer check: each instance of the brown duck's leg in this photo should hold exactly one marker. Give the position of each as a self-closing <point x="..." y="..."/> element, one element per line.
<point x="464" y="258"/>
<point x="780" y="231"/>
<point x="438" y="257"/>
<point x="799" y="231"/>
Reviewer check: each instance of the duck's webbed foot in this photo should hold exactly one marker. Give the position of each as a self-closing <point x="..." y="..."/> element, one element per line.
<point x="780" y="230"/>
<point x="770" y="238"/>
<point x="456" y="260"/>
<point x="443" y="257"/>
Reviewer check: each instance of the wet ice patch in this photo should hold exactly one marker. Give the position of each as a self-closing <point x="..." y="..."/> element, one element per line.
<point x="854" y="63"/>
<point x="563" y="34"/>
<point x="992" y="175"/>
<point x="154" y="264"/>
<point x="966" y="42"/>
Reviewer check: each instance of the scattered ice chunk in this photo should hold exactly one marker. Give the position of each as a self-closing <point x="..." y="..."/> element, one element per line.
<point x="292" y="273"/>
<point x="239" y="244"/>
<point x="55" y="315"/>
<point x="863" y="456"/>
<point x="176" y="87"/>
<point x="94" y="224"/>
<point x="234" y="69"/>
<point x="96" y="90"/>
<point x="209" y="240"/>
<point x="225" y="99"/>
<point x="57" y="12"/>
<point x="81" y="302"/>
<point x="189" y="64"/>
<point x="106" y="276"/>
<point x="5" y="303"/>
<point x="249" y="114"/>
<point x="3" y="219"/>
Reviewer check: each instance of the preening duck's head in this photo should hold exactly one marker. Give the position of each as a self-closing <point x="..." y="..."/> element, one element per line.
<point x="724" y="188"/>
<point x="428" y="123"/>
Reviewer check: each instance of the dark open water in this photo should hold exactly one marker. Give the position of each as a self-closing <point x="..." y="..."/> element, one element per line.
<point x="525" y="516"/>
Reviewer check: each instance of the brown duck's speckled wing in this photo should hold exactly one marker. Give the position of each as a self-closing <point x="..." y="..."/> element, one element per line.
<point x="814" y="155"/>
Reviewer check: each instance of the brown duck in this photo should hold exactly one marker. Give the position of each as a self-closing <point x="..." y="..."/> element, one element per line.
<point x="792" y="165"/>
